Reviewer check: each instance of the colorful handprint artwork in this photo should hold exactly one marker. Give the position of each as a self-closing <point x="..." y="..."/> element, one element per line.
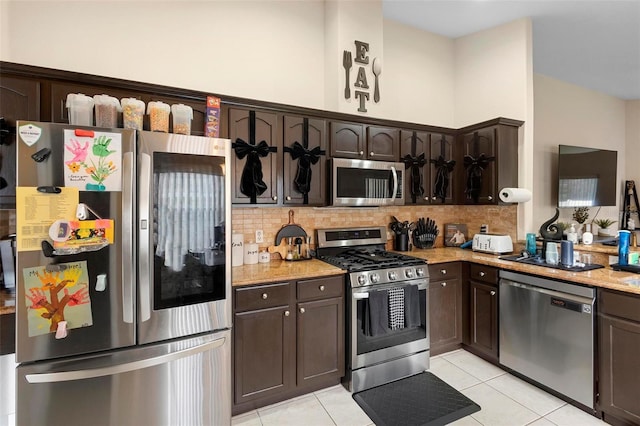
<point x="54" y="296"/>
<point x="93" y="163"/>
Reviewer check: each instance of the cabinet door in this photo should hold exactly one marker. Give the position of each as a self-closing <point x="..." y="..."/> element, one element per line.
<point x="442" y="166"/>
<point x="382" y="143"/>
<point x="320" y="341"/>
<point x="478" y="158"/>
<point x="619" y="381"/>
<point x="19" y="100"/>
<point x="301" y="172"/>
<point x="266" y="129"/>
<point x="413" y="152"/>
<point x="445" y="318"/>
<point x="263" y="353"/>
<point x="484" y="319"/>
<point x="347" y="140"/>
<point x="59" y="92"/>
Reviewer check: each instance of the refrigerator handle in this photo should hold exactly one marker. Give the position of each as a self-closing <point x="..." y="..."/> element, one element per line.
<point x="143" y="240"/>
<point x="127" y="237"/>
<point x="91" y="373"/>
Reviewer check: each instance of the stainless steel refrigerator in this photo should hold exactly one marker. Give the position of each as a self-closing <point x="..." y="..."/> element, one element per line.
<point x="123" y="277"/>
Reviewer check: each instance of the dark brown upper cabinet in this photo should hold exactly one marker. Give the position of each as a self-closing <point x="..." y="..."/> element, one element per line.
<point x="430" y="167"/>
<point x="19" y="100"/>
<point x="489" y="160"/>
<point x="382" y="143"/>
<point x="347" y="140"/>
<point x="255" y="175"/>
<point x="304" y="160"/>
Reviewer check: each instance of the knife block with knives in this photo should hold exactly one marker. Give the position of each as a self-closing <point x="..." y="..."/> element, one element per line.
<point x="425" y="234"/>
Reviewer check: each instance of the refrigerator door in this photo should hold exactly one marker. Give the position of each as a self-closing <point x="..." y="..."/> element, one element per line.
<point x="109" y="296"/>
<point x="185" y="382"/>
<point x="183" y="214"/>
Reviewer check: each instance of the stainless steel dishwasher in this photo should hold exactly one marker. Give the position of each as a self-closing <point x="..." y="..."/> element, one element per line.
<point x="547" y="333"/>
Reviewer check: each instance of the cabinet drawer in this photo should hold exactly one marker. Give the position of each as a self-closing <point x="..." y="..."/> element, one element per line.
<point x="261" y="297"/>
<point x="321" y="288"/>
<point x="483" y="273"/>
<point x="444" y="271"/>
<point x="620" y="305"/>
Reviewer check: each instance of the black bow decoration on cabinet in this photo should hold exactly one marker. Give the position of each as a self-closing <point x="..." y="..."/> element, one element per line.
<point x="251" y="183"/>
<point x="443" y="169"/>
<point x="475" y="167"/>
<point x="415" y="163"/>
<point x="306" y="157"/>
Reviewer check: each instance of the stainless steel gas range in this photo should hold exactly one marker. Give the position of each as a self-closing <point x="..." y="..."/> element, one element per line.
<point x="387" y="327"/>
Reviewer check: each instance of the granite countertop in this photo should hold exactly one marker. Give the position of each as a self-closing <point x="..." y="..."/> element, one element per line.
<point x="281" y="270"/>
<point x="7" y="302"/>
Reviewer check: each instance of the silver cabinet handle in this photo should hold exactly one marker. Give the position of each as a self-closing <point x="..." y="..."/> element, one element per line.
<point x="493" y="292"/>
<point x="274" y="198"/>
<point x="443" y="284"/>
<point x="128" y="258"/>
<point x="489" y="198"/>
<point x="443" y="271"/>
<point x="321" y="288"/>
<point x="426" y="198"/>
<point x="146" y="265"/>
<point x="433" y="198"/>
<point x="288" y="197"/>
<point x="372" y="153"/>
<point x="65" y="376"/>
<point x="302" y="310"/>
<point x="361" y="153"/>
<point x="482" y="274"/>
<point x="265" y="295"/>
<point x="287" y="313"/>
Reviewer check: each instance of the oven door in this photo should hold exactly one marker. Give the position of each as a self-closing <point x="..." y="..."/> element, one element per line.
<point x="366" y="349"/>
<point x="366" y="183"/>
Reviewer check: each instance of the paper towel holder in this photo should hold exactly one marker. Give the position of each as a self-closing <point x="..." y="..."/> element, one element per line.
<point x="514" y="195"/>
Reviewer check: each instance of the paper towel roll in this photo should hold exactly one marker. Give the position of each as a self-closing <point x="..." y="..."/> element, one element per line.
<point x="237" y="249"/>
<point x="515" y="195"/>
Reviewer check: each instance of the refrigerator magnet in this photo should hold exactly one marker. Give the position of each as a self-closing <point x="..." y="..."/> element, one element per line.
<point x="60" y="230"/>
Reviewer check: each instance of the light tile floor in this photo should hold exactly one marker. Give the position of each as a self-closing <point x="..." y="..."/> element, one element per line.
<point x="505" y="400"/>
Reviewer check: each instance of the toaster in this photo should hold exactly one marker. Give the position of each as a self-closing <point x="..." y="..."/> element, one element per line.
<point x="492" y="243"/>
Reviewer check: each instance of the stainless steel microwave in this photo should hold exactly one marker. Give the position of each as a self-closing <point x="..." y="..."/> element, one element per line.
<point x="366" y="183"/>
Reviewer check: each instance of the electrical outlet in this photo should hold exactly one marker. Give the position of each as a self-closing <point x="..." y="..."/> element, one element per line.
<point x="259" y="236"/>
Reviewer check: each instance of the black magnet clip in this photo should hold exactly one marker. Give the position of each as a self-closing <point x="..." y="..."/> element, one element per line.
<point x="47" y="249"/>
<point x="41" y="155"/>
<point x="50" y="189"/>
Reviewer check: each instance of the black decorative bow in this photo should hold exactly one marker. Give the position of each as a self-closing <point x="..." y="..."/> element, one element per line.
<point x="251" y="183"/>
<point x="475" y="167"/>
<point x="443" y="169"/>
<point x="306" y="157"/>
<point x="415" y="163"/>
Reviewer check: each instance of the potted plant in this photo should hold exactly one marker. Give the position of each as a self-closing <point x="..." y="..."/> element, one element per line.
<point x="603" y="227"/>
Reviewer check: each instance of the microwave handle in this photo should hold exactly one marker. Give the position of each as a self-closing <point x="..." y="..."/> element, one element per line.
<point x="395" y="183"/>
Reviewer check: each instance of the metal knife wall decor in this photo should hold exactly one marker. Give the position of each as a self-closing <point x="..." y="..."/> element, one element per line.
<point x="416" y="164"/>
<point x="360" y="56"/>
<point x="251" y="183"/>
<point x="306" y="157"/>
<point x="443" y="170"/>
<point x="475" y="166"/>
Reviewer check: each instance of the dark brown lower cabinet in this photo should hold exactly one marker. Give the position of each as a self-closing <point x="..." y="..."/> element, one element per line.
<point x="445" y="307"/>
<point x="619" y="352"/>
<point x="288" y="340"/>
<point x="482" y="337"/>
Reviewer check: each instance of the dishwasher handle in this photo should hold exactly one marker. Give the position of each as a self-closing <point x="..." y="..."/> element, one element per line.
<point x="558" y="299"/>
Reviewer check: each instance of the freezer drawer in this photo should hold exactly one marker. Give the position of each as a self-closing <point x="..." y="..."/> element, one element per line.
<point x="184" y="382"/>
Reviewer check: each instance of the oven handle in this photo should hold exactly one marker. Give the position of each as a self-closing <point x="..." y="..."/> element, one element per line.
<point x="360" y="295"/>
<point x="365" y="294"/>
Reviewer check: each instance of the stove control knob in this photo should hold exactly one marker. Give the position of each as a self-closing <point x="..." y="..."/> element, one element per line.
<point x="420" y="272"/>
<point x="375" y="277"/>
<point x="393" y="275"/>
<point x="409" y="273"/>
<point x="362" y="279"/>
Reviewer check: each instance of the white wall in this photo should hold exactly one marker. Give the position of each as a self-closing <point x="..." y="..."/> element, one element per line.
<point x="572" y="115"/>
<point x="633" y="143"/>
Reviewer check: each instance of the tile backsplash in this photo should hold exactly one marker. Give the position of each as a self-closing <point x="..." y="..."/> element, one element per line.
<point x="246" y="220"/>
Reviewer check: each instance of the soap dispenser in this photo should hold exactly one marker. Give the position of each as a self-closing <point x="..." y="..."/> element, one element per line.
<point x="572" y="235"/>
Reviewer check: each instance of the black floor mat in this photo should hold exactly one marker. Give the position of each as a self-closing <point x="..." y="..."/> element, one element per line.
<point x="418" y="400"/>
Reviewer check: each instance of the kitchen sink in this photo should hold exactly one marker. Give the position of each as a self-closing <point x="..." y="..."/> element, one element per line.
<point x="538" y="261"/>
